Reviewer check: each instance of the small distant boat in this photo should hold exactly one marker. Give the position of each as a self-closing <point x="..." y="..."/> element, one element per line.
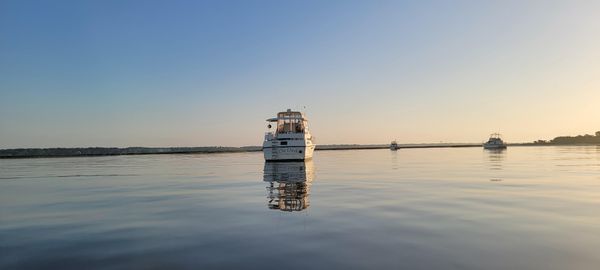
<point x="394" y="145"/>
<point x="291" y="139"/>
<point x="495" y="142"/>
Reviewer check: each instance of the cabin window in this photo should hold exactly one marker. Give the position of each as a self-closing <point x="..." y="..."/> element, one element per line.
<point x="290" y="122"/>
<point x="283" y="143"/>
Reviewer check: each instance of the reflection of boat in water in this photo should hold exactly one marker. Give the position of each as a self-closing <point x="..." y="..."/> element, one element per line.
<point x="495" y="142"/>
<point x="394" y="145"/>
<point x="289" y="184"/>
<point x="496" y="159"/>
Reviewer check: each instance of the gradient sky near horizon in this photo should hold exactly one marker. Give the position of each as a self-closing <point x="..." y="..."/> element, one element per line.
<point x="196" y="73"/>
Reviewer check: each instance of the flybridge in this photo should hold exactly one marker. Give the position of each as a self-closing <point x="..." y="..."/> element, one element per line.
<point x="290" y="122"/>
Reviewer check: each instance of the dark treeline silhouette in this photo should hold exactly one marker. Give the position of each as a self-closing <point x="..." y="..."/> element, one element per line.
<point x="580" y="139"/>
<point x="109" y="151"/>
<point x="113" y="151"/>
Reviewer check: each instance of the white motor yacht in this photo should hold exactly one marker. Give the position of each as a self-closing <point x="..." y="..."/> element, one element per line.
<point x="495" y="142"/>
<point x="291" y="139"/>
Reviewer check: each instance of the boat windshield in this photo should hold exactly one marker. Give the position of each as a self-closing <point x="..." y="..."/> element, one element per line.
<point x="290" y="122"/>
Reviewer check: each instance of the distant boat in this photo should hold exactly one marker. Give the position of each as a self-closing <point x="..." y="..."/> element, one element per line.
<point x="291" y="139"/>
<point x="495" y="142"/>
<point x="394" y="145"/>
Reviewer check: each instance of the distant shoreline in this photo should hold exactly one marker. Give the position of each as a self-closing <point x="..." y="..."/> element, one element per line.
<point x="113" y="151"/>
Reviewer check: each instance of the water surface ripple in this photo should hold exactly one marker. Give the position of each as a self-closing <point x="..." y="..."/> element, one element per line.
<point x="463" y="208"/>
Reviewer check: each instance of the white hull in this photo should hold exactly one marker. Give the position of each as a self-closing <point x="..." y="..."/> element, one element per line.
<point x="494" y="146"/>
<point x="284" y="153"/>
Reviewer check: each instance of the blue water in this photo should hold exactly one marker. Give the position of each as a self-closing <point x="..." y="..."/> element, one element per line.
<point x="455" y="208"/>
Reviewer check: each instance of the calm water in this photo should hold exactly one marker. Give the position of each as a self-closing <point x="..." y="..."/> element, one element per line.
<point x="523" y="208"/>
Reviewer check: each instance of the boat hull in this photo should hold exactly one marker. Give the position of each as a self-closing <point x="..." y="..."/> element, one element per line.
<point x="494" y="146"/>
<point x="288" y="153"/>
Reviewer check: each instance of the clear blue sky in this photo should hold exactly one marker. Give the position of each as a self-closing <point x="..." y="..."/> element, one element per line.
<point x="191" y="73"/>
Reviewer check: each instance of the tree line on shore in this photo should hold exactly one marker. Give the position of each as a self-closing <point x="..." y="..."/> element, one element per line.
<point x="108" y="151"/>
<point x="579" y="139"/>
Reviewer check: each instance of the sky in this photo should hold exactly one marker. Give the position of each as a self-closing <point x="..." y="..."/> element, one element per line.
<point x="206" y="73"/>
